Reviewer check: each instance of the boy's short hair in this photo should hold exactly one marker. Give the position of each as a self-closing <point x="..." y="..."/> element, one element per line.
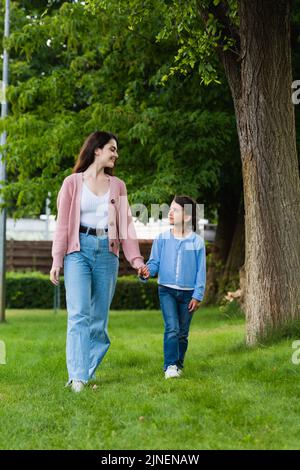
<point x="189" y="205"/>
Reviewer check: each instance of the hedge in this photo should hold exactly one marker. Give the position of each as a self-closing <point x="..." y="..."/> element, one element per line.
<point x="35" y="290"/>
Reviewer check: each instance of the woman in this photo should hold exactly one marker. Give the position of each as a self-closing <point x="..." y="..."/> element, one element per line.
<point x="93" y="218"/>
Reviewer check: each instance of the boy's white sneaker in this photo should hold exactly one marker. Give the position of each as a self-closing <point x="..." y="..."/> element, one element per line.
<point x="77" y="386"/>
<point x="172" y="372"/>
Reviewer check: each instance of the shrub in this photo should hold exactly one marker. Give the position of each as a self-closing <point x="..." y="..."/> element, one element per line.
<point x="34" y="290"/>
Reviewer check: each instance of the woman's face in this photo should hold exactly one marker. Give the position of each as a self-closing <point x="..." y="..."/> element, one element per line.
<point x="108" y="155"/>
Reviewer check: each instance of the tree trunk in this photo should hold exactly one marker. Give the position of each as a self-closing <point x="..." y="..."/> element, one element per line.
<point x="227" y="217"/>
<point x="236" y="256"/>
<point x="261" y="88"/>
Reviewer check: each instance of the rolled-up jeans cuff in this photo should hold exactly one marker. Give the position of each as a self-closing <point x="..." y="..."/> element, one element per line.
<point x="71" y="380"/>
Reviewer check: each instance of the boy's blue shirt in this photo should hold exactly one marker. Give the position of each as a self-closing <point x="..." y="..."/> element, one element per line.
<point x="180" y="262"/>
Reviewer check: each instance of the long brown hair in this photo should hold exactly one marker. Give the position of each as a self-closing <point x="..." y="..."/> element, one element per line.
<point x="97" y="139"/>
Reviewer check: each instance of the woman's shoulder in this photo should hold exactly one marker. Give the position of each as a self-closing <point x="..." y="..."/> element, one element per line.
<point x="118" y="181"/>
<point x="118" y="185"/>
<point x="67" y="184"/>
<point x="70" y="179"/>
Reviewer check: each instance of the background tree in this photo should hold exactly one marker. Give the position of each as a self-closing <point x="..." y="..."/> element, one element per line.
<point x="66" y="82"/>
<point x="136" y="69"/>
<point x="252" y="41"/>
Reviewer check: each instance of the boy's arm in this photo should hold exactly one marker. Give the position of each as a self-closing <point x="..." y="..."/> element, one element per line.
<point x="154" y="260"/>
<point x="199" y="288"/>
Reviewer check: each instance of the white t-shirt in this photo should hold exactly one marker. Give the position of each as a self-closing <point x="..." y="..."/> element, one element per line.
<point x="93" y="209"/>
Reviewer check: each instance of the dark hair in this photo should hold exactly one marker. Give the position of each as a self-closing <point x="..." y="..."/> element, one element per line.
<point x="190" y="207"/>
<point x="97" y="139"/>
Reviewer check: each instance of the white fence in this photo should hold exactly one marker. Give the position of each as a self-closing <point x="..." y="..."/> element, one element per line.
<point x="43" y="229"/>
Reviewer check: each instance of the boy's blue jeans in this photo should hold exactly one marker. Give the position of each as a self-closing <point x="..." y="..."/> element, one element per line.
<point x="90" y="277"/>
<point x="177" y="318"/>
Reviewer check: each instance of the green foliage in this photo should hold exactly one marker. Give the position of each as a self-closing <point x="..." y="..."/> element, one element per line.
<point x="23" y="290"/>
<point x="197" y="40"/>
<point x="130" y="67"/>
<point x="287" y="330"/>
<point x="75" y="69"/>
<point x="232" y="310"/>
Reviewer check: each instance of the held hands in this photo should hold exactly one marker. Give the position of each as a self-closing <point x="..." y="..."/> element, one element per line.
<point x="194" y="305"/>
<point x="54" y="276"/>
<point x="144" y="272"/>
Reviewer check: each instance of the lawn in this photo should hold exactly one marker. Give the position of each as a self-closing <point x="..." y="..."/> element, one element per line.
<point x="229" y="397"/>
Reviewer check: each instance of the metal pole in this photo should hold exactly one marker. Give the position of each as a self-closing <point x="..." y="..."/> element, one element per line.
<point x="47" y="214"/>
<point x="3" y="169"/>
<point x="56" y="298"/>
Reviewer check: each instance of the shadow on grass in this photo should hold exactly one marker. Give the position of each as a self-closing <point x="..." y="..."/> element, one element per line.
<point x="287" y="331"/>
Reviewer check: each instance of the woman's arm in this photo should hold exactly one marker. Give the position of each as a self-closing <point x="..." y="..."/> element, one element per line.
<point x="127" y="232"/>
<point x="60" y="240"/>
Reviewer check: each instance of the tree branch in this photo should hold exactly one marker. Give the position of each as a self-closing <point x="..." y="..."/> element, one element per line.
<point x="231" y="58"/>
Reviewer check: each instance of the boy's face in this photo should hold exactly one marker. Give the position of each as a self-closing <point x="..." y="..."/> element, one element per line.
<point x="175" y="214"/>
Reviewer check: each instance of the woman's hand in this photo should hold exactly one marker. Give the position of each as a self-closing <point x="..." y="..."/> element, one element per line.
<point x="54" y="276"/>
<point x="194" y="305"/>
<point x="143" y="271"/>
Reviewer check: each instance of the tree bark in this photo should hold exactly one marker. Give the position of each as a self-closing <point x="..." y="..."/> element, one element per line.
<point x="266" y="127"/>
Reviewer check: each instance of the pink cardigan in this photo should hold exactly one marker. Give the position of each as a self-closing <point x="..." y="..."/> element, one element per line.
<point x="120" y="224"/>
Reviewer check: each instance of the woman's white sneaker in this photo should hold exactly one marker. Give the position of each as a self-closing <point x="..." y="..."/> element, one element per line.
<point x="171" y="372"/>
<point x="77" y="386"/>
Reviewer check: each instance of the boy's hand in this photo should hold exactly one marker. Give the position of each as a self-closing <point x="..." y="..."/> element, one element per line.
<point x="194" y="305"/>
<point x="144" y="272"/>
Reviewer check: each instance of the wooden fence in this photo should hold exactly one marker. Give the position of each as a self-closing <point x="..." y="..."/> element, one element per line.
<point x="36" y="256"/>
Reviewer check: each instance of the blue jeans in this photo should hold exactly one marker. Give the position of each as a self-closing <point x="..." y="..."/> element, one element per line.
<point x="177" y="319"/>
<point x="90" y="277"/>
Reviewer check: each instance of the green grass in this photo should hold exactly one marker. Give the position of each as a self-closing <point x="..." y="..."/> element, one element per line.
<point x="230" y="397"/>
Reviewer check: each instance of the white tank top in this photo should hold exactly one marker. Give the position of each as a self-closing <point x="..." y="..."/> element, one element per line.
<point x="93" y="209"/>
